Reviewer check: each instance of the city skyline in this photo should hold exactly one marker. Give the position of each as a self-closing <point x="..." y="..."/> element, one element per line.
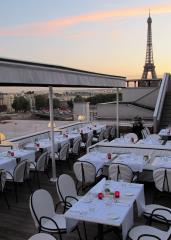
<point x="101" y="36"/>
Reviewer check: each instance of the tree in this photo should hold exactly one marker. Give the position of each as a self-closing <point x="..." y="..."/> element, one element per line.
<point x="70" y="103"/>
<point x="56" y="103"/>
<point x="20" y="104"/>
<point x="78" y="98"/>
<point x="41" y="101"/>
<point x="101" y="98"/>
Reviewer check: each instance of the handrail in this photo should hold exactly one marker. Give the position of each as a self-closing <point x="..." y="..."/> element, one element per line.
<point x="36" y="134"/>
<point x="143" y="83"/>
<point x="160" y="101"/>
<point x="147" y="94"/>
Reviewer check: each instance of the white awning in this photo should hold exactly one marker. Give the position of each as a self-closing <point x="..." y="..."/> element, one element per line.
<point x="22" y="73"/>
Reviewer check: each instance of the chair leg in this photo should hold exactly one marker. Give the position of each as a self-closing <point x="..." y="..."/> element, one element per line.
<point x="78" y="231"/>
<point x="38" y="180"/>
<point x="29" y="185"/>
<point x="46" y="171"/>
<point x="85" y="231"/>
<point x="6" y="200"/>
<point x="16" y="191"/>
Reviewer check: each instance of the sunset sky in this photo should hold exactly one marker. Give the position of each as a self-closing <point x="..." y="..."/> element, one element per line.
<point x="107" y="36"/>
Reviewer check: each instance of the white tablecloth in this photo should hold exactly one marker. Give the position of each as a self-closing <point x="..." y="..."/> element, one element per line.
<point x="46" y="143"/>
<point x="122" y="140"/>
<point x="98" y="159"/>
<point x="159" y="162"/>
<point x="108" y="211"/>
<point x="7" y="163"/>
<point x="165" y="132"/>
<point x="150" y="141"/>
<point x="135" y="162"/>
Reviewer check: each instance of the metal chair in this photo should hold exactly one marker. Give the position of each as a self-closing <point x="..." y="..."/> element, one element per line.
<point x="86" y="174"/>
<point x="42" y="236"/>
<point x="17" y="176"/>
<point x="40" y="166"/>
<point x="118" y="171"/>
<point x="66" y="190"/>
<point x="2" y="185"/>
<point x="44" y="215"/>
<point x="162" y="180"/>
<point x="144" y="232"/>
<point x="74" y="152"/>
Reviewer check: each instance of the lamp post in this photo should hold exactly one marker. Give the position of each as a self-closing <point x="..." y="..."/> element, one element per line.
<point x="53" y="179"/>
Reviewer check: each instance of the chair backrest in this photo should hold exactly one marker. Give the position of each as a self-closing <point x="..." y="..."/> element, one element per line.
<point x="89" y="140"/>
<point x="162" y="179"/>
<point x="101" y="135"/>
<point x="27" y="170"/>
<point x="131" y="136"/>
<point x="42" y="236"/>
<point x="19" y="171"/>
<point x="112" y="132"/>
<point x="41" y="162"/>
<point x="147" y="130"/>
<point x="2" y="179"/>
<point x="65" y="186"/>
<point x="63" y="154"/>
<point x="144" y="133"/>
<point x="106" y="133"/>
<point x="118" y="171"/>
<point x="41" y="204"/>
<point x="84" y="171"/>
<point x="76" y="146"/>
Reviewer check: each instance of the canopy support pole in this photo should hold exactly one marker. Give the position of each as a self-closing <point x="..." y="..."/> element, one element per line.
<point x="53" y="179"/>
<point x="117" y="112"/>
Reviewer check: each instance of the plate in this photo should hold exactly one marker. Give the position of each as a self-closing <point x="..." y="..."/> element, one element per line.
<point x="129" y="194"/>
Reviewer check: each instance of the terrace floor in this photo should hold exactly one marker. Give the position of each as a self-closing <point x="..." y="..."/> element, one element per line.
<point x="16" y="223"/>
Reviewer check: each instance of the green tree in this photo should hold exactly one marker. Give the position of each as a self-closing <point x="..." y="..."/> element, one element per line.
<point x="41" y="101"/>
<point x="78" y="98"/>
<point x="70" y="103"/>
<point x="21" y="104"/>
<point x="56" y="103"/>
<point x="101" y="98"/>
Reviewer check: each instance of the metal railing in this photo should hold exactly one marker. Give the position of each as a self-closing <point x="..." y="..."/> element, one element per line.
<point x="160" y="101"/>
<point x="143" y="83"/>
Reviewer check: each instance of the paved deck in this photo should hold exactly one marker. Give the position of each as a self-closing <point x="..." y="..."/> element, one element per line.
<point x="16" y="223"/>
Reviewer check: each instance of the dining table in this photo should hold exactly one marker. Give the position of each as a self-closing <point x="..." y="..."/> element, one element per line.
<point x="101" y="205"/>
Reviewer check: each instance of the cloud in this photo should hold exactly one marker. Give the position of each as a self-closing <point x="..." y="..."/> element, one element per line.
<point x="57" y="25"/>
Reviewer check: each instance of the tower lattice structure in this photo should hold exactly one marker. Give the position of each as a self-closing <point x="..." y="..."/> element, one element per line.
<point x="149" y="62"/>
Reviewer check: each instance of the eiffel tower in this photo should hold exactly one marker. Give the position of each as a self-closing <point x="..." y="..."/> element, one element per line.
<point x="149" y="63"/>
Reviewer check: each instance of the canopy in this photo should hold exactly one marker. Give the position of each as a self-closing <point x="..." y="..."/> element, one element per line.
<point x="23" y="73"/>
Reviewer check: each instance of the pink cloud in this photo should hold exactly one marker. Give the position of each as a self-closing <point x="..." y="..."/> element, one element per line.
<point x="55" y="26"/>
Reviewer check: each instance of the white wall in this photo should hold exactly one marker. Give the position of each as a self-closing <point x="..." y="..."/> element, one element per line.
<point x="81" y="108"/>
<point x="126" y="111"/>
<point x="133" y="94"/>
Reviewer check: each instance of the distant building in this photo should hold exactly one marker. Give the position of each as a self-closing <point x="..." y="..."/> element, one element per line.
<point x="7" y="100"/>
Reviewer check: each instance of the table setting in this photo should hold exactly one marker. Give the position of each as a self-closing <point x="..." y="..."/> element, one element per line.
<point x="109" y="203"/>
